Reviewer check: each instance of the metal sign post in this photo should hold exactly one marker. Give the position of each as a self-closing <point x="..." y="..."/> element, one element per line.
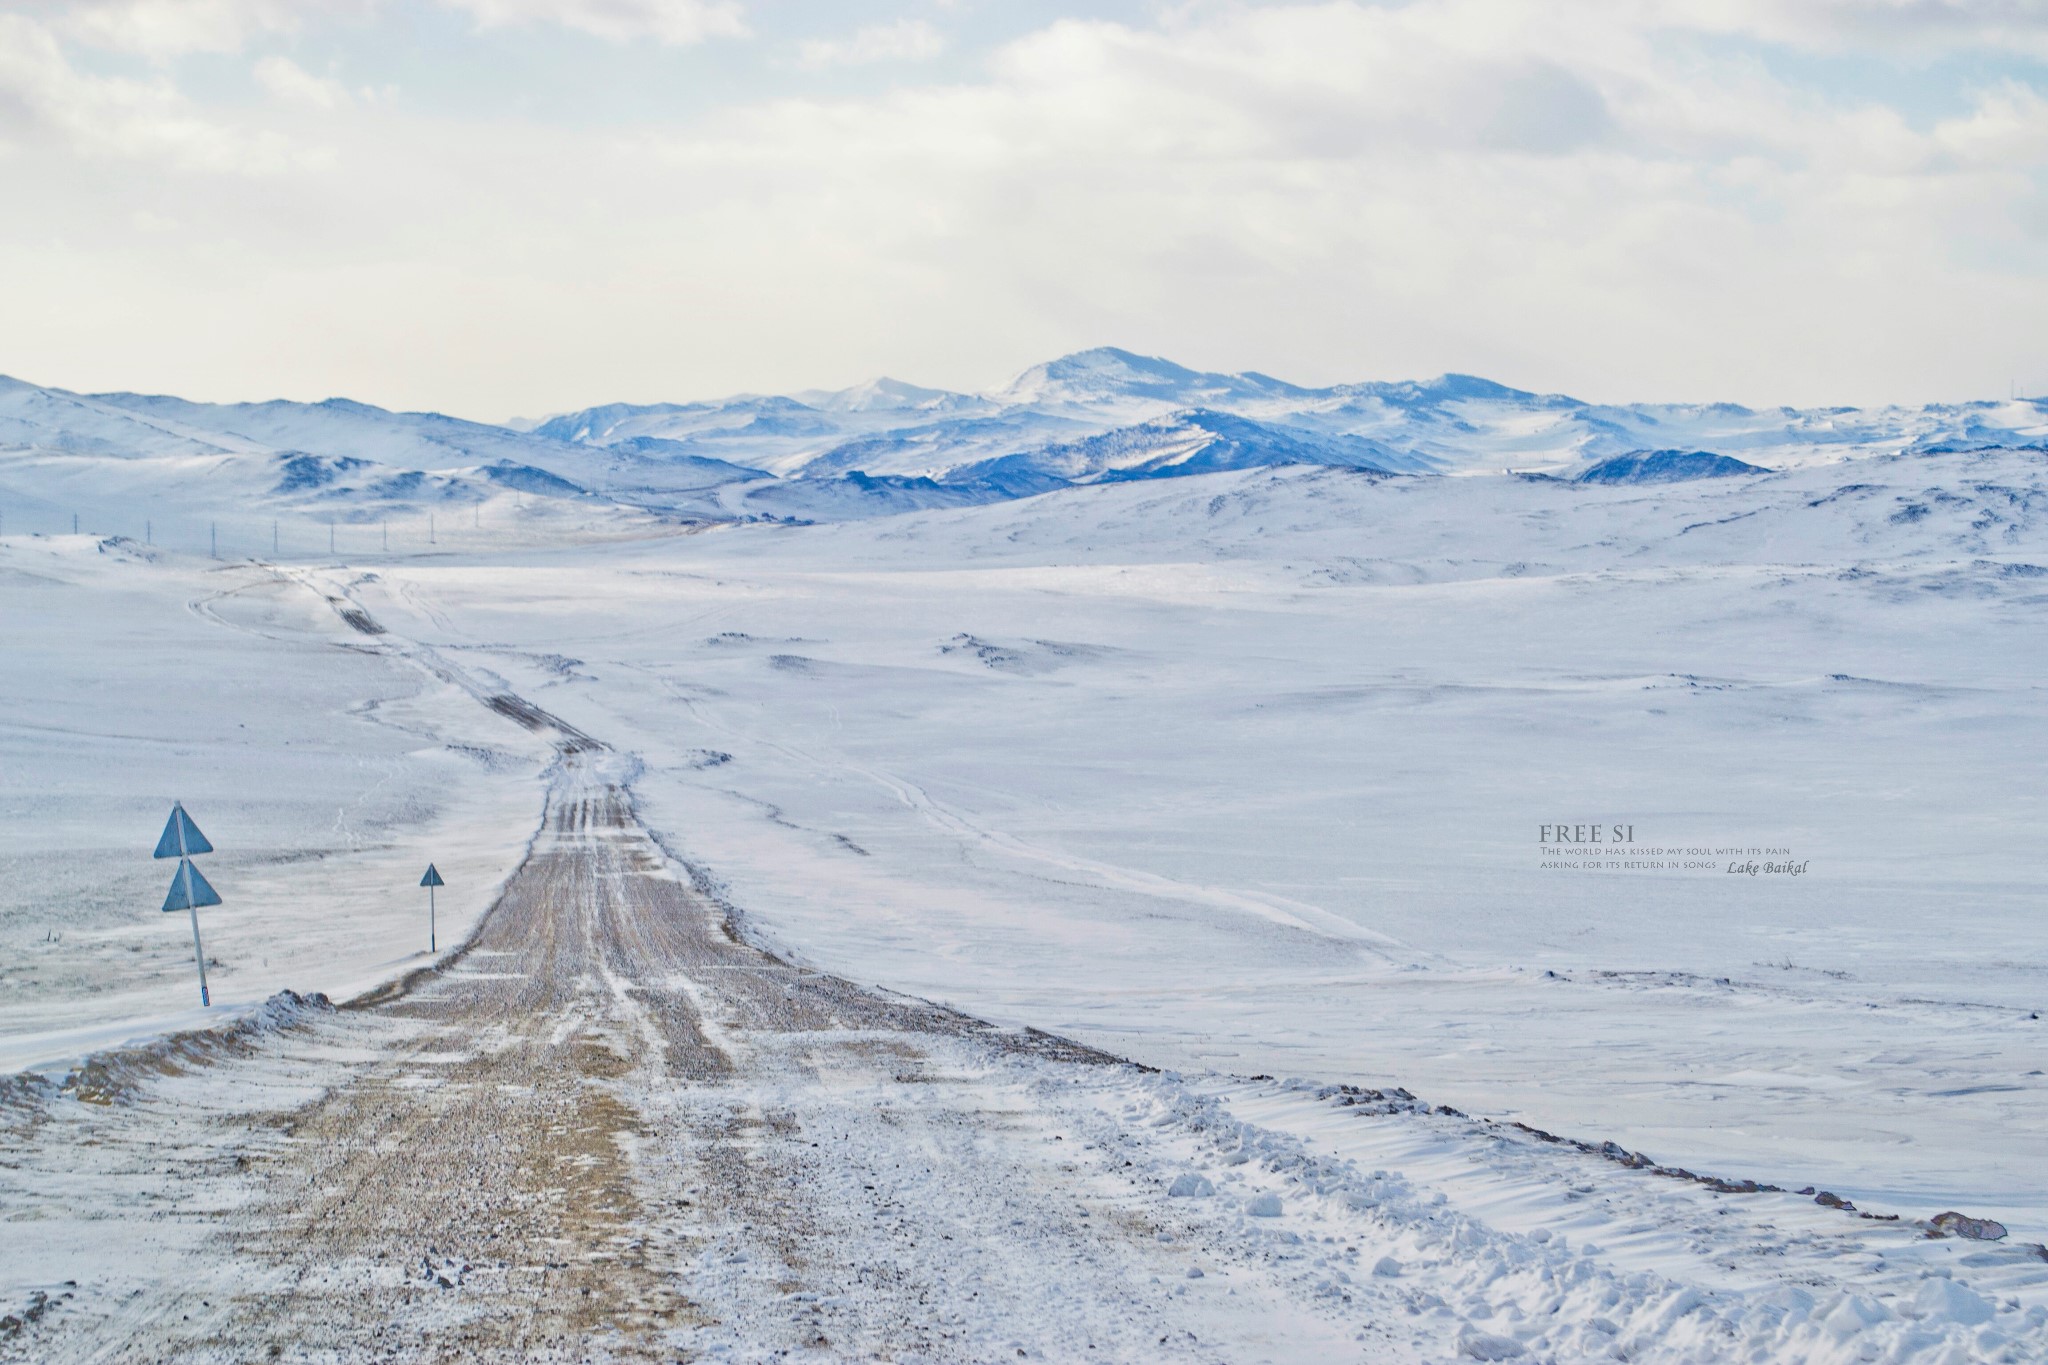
<point x="430" y="881"/>
<point x="189" y="890"/>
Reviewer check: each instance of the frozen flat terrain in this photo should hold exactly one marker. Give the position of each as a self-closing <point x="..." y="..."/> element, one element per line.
<point x="610" y="1130"/>
<point x="1252" y="776"/>
<point x="1250" y="773"/>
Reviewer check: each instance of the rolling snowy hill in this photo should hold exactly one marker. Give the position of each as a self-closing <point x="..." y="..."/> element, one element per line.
<point x="130" y="463"/>
<point x="1108" y="412"/>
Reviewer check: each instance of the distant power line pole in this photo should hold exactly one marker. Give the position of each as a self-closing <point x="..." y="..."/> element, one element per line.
<point x="213" y="539"/>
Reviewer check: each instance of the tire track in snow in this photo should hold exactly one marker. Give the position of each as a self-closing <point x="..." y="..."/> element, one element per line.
<point x="1281" y="910"/>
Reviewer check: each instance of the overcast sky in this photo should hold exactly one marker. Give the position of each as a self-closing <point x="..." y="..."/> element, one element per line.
<point x="500" y="207"/>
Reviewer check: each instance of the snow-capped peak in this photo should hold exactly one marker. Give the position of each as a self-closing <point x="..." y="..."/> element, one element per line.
<point x="887" y="395"/>
<point x="1107" y="377"/>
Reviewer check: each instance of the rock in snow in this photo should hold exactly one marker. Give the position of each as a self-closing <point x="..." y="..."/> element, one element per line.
<point x="1962" y="1225"/>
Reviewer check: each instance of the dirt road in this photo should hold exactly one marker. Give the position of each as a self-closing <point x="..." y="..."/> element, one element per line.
<point x="608" y="1129"/>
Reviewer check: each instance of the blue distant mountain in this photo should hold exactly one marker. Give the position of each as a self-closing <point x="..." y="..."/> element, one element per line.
<point x="1197" y="441"/>
<point x="1094" y="417"/>
<point x="1667" y="466"/>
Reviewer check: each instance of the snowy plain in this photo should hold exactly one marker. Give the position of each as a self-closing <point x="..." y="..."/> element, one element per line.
<point x="1249" y="772"/>
<point x="1251" y="775"/>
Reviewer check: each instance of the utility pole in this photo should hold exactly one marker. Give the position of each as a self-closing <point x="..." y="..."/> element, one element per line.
<point x="74" y="523"/>
<point x="213" y="539"/>
<point x="430" y="528"/>
<point x="149" y="533"/>
<point x="273" y="537"/>
<point x="330" y="536"/>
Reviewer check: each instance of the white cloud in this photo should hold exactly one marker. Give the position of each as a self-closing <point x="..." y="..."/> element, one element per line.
<point x="1341" y="189"/>
<point x="666" y="21"/>
<point x="171" y="28"/>
<point x="1565" y="193"/>
<point x="45" y="101"/>
<point x="288" y="81"/>
<point x="168" y="28"/>
<point x="907" y="40"/>
<point x="1904" y="26"/>
<point x="2007" y="126"/>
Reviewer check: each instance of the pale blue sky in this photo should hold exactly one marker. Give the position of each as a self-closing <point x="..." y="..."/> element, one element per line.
<point x="500" y="206"/>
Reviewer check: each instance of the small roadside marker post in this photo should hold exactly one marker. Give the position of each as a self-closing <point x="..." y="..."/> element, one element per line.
<point x="189" y="890"/>
<point x="430" y="881"/>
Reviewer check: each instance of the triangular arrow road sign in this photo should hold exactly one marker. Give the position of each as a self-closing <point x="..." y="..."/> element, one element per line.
<point x="432" y="878"/>
<point x="181" y="837"/>
<point x="189" y="889"/>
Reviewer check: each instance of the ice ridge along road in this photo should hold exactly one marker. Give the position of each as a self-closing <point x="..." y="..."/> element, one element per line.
<point x="609" y="1129"/>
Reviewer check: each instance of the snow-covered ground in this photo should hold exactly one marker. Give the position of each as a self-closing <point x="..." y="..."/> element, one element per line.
<point x="1250" y="774"/>
<point x="613" y="1131"/>
<point x="326" y="777"/>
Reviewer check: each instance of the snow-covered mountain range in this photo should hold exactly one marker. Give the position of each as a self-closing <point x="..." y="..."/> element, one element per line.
<point x="1100" y="416"/>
